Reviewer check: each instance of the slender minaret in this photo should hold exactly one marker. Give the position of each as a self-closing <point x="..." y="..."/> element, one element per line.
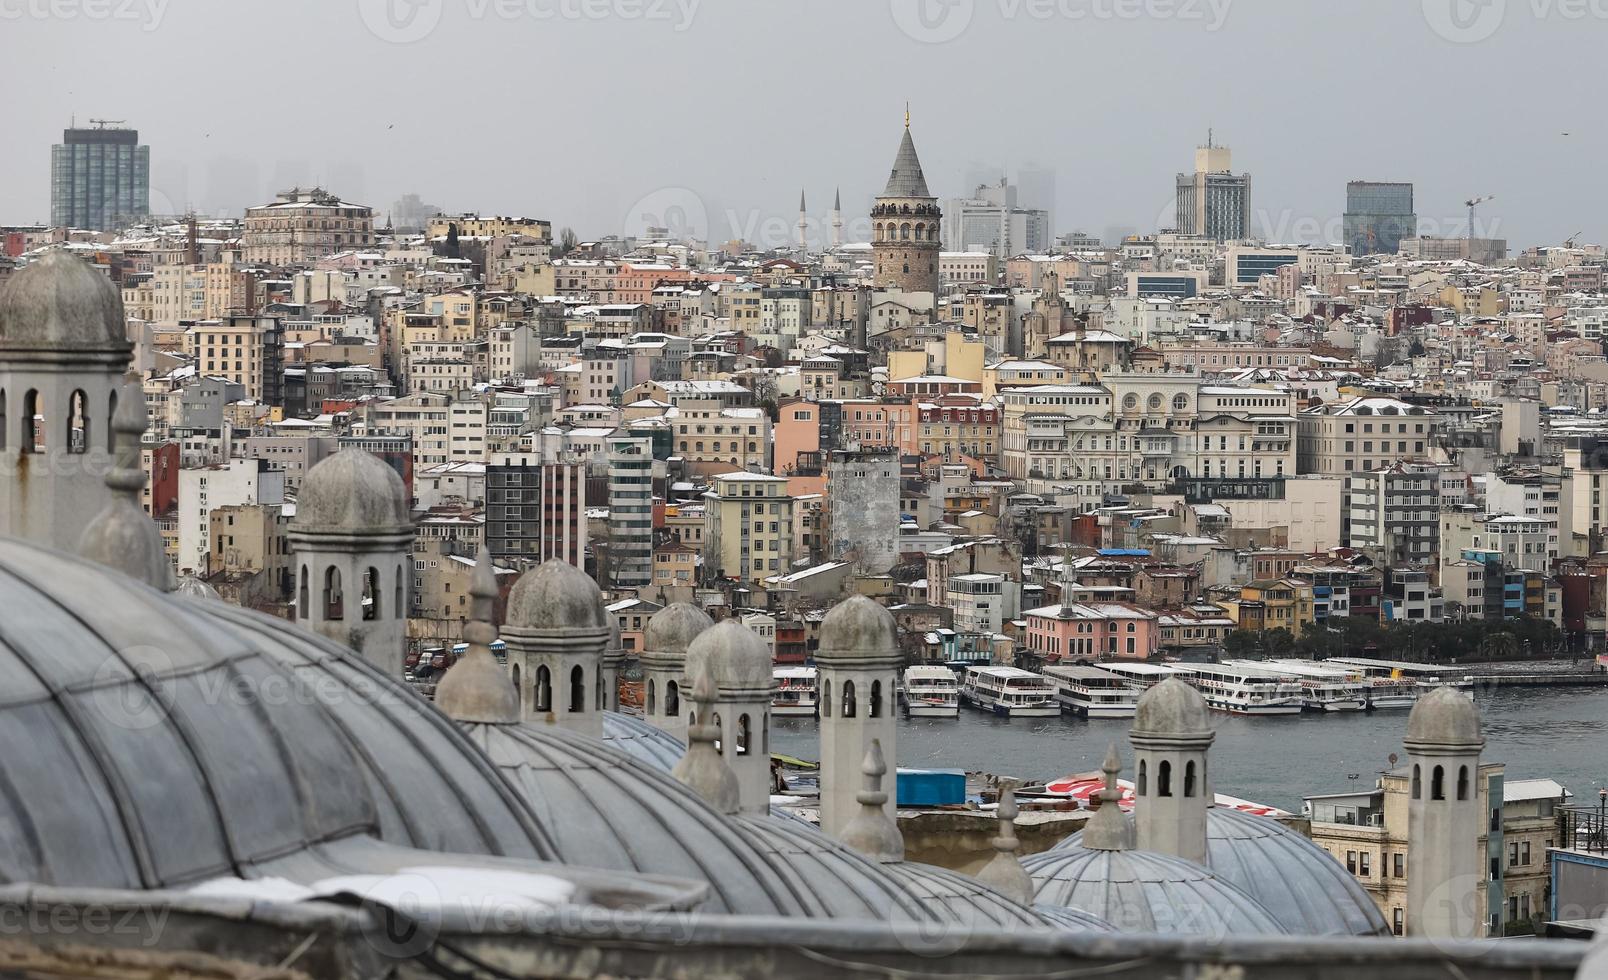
<point x="1004" y="870"/>
<point x="873" y="831"/>
<point x="557" y="634"/>
<point x="857" y="663"/>
<point x="1445" y="863"/>
<point x="122" y="535"/>
<point x="702" y="768"/>
<point x="803" y="224"/>
<point x="1170" y="735"/>
<point x="740" y="664"/>
<point x="837" y="218"/>
<point x="353" y="541"/>
<point x="664" y="664"/>
<point x="476" y="688"/>
<point x="63" y="352"/>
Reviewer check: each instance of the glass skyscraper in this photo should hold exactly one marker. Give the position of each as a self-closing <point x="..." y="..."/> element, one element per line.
<point x="99" y="179"/>
<point x="1378" y="217"/>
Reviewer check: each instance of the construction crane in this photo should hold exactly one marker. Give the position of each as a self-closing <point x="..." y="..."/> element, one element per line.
<point x="1570" y="241"/>
<point x="1471" y="203"/>
<point x="103" y="123"/>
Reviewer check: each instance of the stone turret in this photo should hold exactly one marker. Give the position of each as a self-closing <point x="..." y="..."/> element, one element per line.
<point x="1445" y="817"/>
<point x="905" y="239"/>
<point x="1170" y="735"/>
<point x="857" y="665"/>
<point x="122" y="535"/>
<point x="1107" y="830"/>
<point x="62" y="356"/>
<point x="557" y="635"/>
<point x="476" y="689"/>
<point x="739" y="664"/>
<point x="353" y="538"/>
<point x="1004" y="870"/>
<point x="664" y="664"/>
<point x="702" y="768"/>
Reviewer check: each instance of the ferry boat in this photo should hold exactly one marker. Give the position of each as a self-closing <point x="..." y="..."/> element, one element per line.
<point x="1398" y="683"/>
<point x="1093" y="692"/>
<point x="1144" y="676"/>
<point x="1324" y="687"/>
<point x="930" y="691"/>
<point x="1243" y="690"/>
<point x="1009" y="692"/>
<point x="795" y="692"/>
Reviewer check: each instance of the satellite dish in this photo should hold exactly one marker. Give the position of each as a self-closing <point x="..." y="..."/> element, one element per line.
<point x="1393" y="758"/>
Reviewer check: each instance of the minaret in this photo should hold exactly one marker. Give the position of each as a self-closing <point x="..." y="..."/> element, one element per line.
<point x="873" y="831"/>
<point x="904" y="226"/>
<point x="803" y="224"/>
<point x="858" y="662"/>
<point x="557" y="634"/>
<point x="664" y="664"/>
<point x="123" y="536"/>
<point x="63" y="352"/>
<point x="1445" y="863"/>
<point x="739" y="662"/>
<point x="1170" y="735"/>
<point x="1004" y="870"/>
<point x="837" y="218"/>
<point x="353" y="540"/>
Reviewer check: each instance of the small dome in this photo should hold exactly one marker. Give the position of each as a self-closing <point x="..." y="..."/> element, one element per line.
<point x="961" y="897"/>
<point x="738" y="659"/>
<point x="556" y="596"/>
<point x="1444" y="717"/>
<point x="352" y="491"/>
<point x="1171" y="707"/>
<point x="673" y="628"/>
<point x="1142" y="891"/>
<point x="855" y="630"/>
<point x="194" y="587"/>
<point x="61" y="302"/>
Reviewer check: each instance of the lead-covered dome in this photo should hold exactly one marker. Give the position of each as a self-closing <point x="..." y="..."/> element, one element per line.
<point x="857" y="631"/>
<point x="556" y="596"/>
<point x="152" y="742"/>
<point x="646" y="743"/>
<point x="1171" y="707"/>
<point x="734" y="654"/>
<point x="352" y="491"/>
<point x="673" y="628"/>
<point x="1445" y="717"/>
<point x="62" y="303"/>
<point x="1143" y="891"/>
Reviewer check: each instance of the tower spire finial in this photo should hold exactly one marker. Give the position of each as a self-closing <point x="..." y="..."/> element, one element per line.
<point x="122" y="535"/>
<point x="476" y="688"/>
<point x="907" y="113"/>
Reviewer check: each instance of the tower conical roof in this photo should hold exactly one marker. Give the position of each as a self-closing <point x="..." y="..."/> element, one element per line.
<point x="906" y="179"/>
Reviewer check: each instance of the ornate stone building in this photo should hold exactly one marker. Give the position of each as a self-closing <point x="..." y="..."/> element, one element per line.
<point x="904" y="226"/>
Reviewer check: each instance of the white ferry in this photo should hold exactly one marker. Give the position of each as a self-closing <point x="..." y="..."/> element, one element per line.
<point x="931" y="691"/>
<point x="795" y="691"/>
<point x="1009" y="692"/>
<point x="1324" y="687"/>
<point x="1144" y="676"/>
<point x="1093" y="692"/>
<point x="1398" y="684"/>
<point x="1241" y="690"/>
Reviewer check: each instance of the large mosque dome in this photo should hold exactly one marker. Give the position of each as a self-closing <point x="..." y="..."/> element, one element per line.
<point x="152" y="741"/>
<point x="1290" y="876"/>
<point x="1143" y="891"/>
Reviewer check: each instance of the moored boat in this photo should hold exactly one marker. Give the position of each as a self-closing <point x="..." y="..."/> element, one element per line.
<point x="1009" y="692"/>
<point x="930" y="691"/>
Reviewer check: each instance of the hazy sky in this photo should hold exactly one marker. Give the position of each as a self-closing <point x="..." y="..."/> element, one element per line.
<point x="601" y="114"/>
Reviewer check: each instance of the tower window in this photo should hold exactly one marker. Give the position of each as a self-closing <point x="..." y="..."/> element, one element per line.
<point x="1418" y="789"/>
<point x="371" y="594"/>
<point x="33" y="424"/>
<point x="77" y="422"/>
<point x="1164" y="778"/>
<point x="672" y="699"/>
<point x="1189" y="779"/>
<point x="876" y="699"/>
<point x="743" y="735"/>
<point x="1437" y="783"/>
<point x="334" y="603"/>
<point x="577" y="692"/>
<point x="544" y="689"/>
<point x="1462" y="782"/>
<point x="848" y="699"/>
<point x="1140" y="786"/>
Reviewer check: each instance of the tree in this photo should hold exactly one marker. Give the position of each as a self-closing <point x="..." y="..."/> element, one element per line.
<point x="566" y="243"/>
<point x="453" y="249"/>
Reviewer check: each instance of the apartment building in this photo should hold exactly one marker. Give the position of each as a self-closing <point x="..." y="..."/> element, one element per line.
<point x="245" y="349"/>
<point x="304" y="226"/>
<point x="748" y="527"/>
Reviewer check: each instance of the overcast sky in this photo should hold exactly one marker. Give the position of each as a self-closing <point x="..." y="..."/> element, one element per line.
<point x="599" y="114"/>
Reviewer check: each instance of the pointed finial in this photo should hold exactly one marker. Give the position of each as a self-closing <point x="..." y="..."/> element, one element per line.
<point x="907" y="113"/>
<point x="703" y="769"/>
<point x="1004" y="871"/>
<point x="837" y="199"/>
<point x="476" y="689"/>
<point x="1107" y="830"/>
<point x="872" y="832"/>
<point x="801" y="205"/>
<point x="122" y="535"/>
